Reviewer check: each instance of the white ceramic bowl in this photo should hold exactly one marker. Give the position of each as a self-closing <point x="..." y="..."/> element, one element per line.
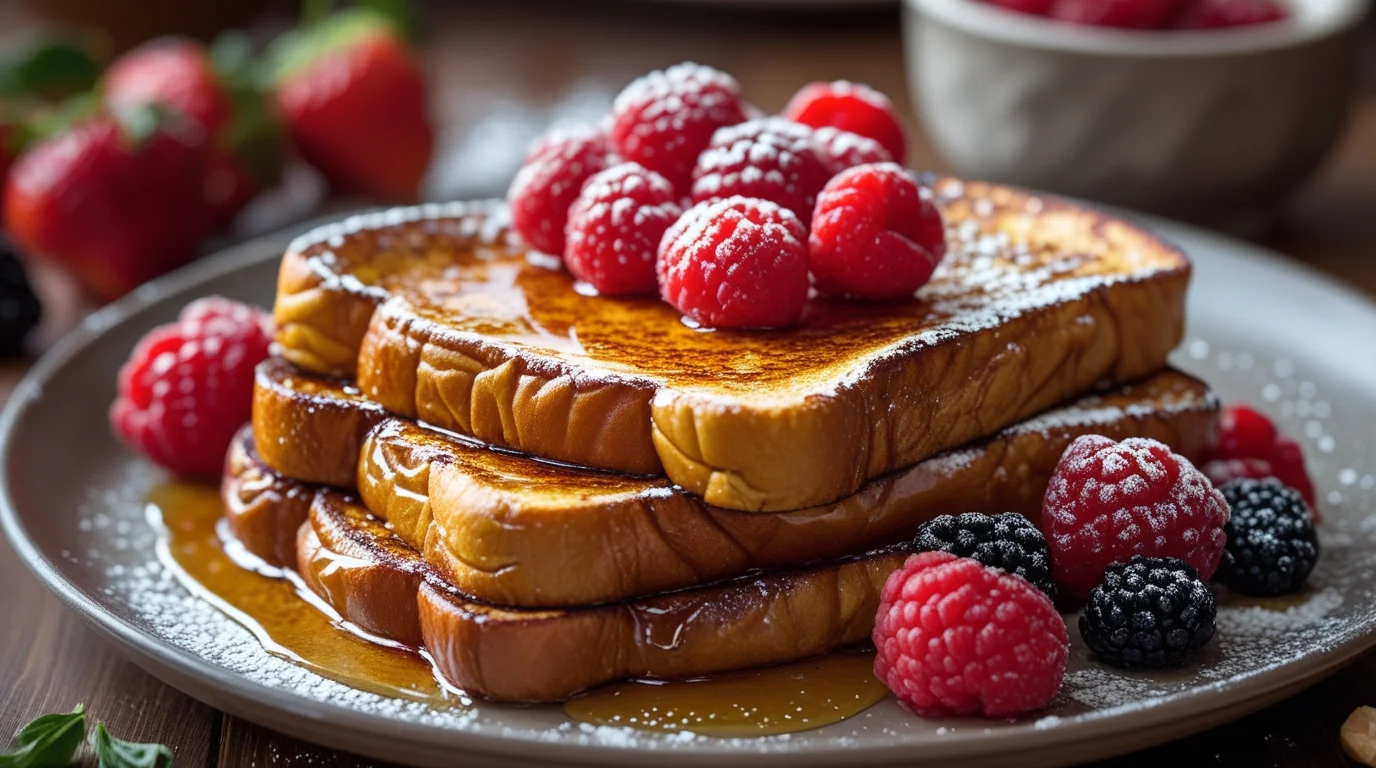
<point x="1209" y="125"/>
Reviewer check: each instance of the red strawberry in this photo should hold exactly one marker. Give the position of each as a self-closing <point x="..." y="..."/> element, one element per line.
<point x="9" y="141"/>
<point x="354" y="100"/>
<point x="245" y="141"/>
<point x="115" y="202"/>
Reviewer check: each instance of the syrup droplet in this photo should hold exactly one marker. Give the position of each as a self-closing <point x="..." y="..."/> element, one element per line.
<point x="758" y="702"/>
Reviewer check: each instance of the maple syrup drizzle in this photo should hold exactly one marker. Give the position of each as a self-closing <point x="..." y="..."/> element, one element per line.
<point x="291" y="622"/>
<point x="756" y="702"/>
<point x="284" y="617"/>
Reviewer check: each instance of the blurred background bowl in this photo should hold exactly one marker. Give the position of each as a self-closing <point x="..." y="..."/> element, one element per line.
<point x="1213" y="126"/>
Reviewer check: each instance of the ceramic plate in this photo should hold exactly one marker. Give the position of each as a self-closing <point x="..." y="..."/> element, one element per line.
<point x="1261" y="330"/>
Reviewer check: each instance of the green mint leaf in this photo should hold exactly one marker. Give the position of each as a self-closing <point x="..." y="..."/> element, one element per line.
<point x="48" y="742"/>
<point x="117" y="753"/>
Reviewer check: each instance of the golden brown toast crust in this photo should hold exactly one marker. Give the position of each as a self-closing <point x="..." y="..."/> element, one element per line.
<point x="1037" y="301"/>
<point x="262" y="508"/>
<point x="514" y="531"/>
<point x="349" y="559"/>
<point x="550" y="655"/>
<point x="310" y="428"/>
<point x="510" y="530"/>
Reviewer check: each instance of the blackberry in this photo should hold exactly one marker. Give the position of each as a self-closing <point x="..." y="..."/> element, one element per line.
<point x="1148" y="613"/>
<point x="19" y="307"/>
<point x="1009" y="542"/>
<point x="1272" y="545"/>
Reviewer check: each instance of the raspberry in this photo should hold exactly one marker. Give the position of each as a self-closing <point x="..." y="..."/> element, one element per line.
<point x="1216" y="14"/>
<point x="875" y="234"/>
<point x="188" y="386"/>
<point x="1272" y="545"/>
<point x="664" y="120"/>
<point x="615" y="227"/>
<point x="214" y="309"/>
<point x="1128" y="14"/>
<point x="1008" y="542"/>
<point x="1244" y="433"/>
<point x="851" y="107"/>
<point x="549" y="181"/>
<point x="957" y="638"/>
<point x="735" y="263"/>
<point x="1109" y="501"/>
<point x="771" y="159"/>
<point x="843" y="149"/>
<point x="1149" y="613"/>
<point x="1034" y="7"/>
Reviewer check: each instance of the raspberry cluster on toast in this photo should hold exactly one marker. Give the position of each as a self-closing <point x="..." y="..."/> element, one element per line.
<point x="442" y="318"/>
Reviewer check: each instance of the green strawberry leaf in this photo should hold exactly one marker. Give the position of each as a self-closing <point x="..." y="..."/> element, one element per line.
<point x="117" y="753"/>
<point x="398" y="12"/>
<point x="295" y="51"/>
<point x="50" y="69"/>
<point x="48" y="742"/>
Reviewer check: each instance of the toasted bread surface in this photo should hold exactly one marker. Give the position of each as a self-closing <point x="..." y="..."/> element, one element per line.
<point x="443" y="318"/>
<point x="263" y="509"/>
<point x="349" y="559"/>
<point x="376" y="581"/>
<point x="310" y="428"/>
<point x="512" y="530"/>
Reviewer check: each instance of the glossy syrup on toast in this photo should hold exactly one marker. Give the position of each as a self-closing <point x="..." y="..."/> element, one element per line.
<point x="510" y="530"/>
<point x="442" y="317"/>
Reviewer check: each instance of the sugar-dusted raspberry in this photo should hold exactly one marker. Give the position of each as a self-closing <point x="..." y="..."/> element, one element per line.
<point x="851" y="107"/>
<point x="843" y="149"/>
<point x="211" y="309"/>
<point x="615" y="227"/>
<point x="1245" y="433"/>
<point x="958" y="638"/>
<point x="664" y="120"/>
<point x="188" y="386"/>
<point x="1128" y="14"/>
<point x="1034" y="7"/>
<point x="771" y="159"/>
<point x="1216" y="14"/>
<point x="549" y="181"/>
<point x="1108" y="501"/>
<point x="735" y="263"/>
<point x="875" y="234"/>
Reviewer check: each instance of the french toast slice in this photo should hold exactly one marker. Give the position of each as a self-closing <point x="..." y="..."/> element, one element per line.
<point x="444" y="318"/>
<point x="355" y="564"/>
<point x="263" y="509"/>
<point x="512" y="530"/>
<point x="310" y="428"/>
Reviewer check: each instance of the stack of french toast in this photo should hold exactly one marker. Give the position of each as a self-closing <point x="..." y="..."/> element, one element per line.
<point x="461" y="452"/>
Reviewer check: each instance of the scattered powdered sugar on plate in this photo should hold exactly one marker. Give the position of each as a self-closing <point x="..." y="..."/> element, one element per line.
<point x="1258" y="645"/>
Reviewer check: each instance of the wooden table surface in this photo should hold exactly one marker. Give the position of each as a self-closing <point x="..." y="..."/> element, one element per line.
<point x="498" y="72"/>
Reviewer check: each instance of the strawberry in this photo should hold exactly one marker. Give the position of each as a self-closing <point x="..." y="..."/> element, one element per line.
<point x="245" y="147"/>
<point x="114" y="200"/>
<point x="354" y="101"/>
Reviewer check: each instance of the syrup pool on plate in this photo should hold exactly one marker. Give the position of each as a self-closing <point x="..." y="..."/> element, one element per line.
<point x="273" y="609"/>
<point x="290" y="622"/>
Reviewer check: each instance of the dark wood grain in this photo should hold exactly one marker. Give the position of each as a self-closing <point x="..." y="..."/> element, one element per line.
<point x="515" y="60"/>
<point x="50" y="662"/>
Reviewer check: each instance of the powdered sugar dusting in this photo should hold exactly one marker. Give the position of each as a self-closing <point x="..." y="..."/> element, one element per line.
<point x="109" y="546"/>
